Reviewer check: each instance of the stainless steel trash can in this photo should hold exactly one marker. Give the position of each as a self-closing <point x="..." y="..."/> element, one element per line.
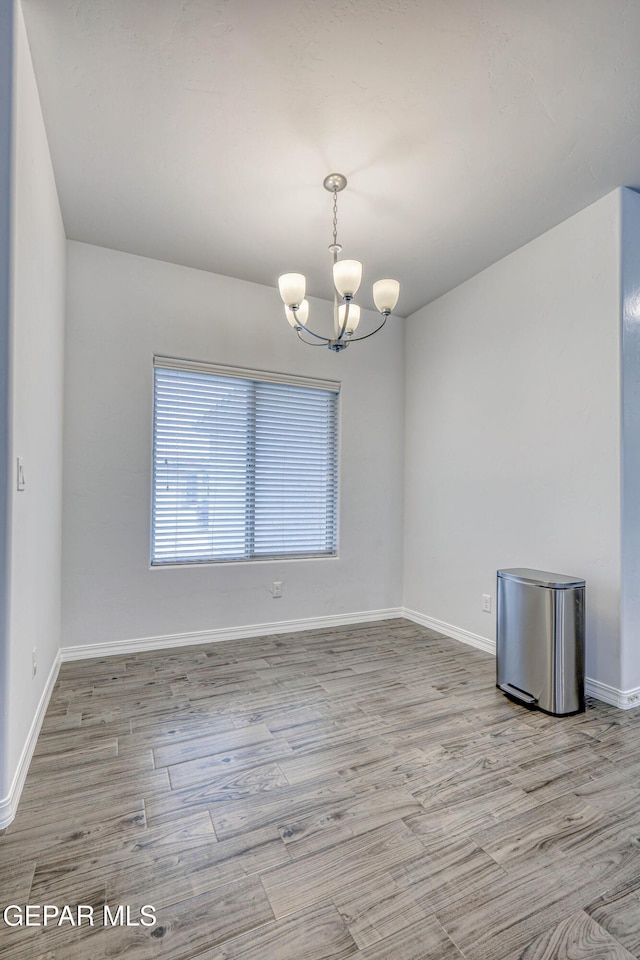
<point x="540" y="639"/>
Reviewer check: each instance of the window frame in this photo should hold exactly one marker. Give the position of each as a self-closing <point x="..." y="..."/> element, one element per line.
<point x="256" y="376"/>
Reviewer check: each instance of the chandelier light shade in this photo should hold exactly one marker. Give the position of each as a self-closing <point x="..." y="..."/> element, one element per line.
<point x="385" y="294"/>
<point x="292" y="288"/>
<point x="298" y="317"/>
<point x="347" y="277"/>
<point x="353" y="318"/>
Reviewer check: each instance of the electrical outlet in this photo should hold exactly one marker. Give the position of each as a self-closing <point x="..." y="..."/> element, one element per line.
<point x="276" y="589"/>
<point x="486" y="602"/>
<point x="34" y="662"/>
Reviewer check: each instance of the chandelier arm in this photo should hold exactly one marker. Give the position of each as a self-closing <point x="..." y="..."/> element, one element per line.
<point x="344" y="322"/>
<point x="302" y="326"/>
<point x="310" y="343"/>
<point x="354" y="339"/>
<point x="336" y="315"/>
<point x="336" y="321"/>
<point x="318" y="336"/>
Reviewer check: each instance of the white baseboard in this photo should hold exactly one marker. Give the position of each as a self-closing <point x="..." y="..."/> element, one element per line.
<point x="457" y="633"/>
<point x="142" y="644"/>
<point x="623" y="699"/>
<point x="9" y="804"/>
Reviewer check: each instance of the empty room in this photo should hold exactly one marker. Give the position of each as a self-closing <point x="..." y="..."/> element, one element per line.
<point x="320" y="487"/>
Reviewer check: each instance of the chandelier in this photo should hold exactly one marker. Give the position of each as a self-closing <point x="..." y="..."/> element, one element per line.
<point x="347" y="275"/>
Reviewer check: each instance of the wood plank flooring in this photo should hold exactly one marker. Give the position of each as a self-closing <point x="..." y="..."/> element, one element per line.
<point x="363" y="793"/>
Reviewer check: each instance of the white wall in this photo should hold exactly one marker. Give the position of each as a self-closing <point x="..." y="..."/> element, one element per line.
<point x="630" y="277"/>
<point x="513" y="432"/>
<point x="38" y="250"/>
<point x="6" y="151"/>
<point x="121" y="310"/>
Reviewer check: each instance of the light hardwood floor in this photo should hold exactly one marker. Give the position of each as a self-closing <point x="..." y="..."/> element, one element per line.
<point x="363" y="792"/>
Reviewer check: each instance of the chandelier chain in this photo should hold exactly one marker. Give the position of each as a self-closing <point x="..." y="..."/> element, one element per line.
<point x="335" y="217"/>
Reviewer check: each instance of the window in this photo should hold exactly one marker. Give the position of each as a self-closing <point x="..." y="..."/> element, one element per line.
<point x="245" y="464"/>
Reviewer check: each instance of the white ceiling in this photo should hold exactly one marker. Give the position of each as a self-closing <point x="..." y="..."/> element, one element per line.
<point x="200" y="131"/>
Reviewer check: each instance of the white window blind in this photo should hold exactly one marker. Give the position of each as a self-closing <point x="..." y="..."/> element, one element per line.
<point x="245" y="464"/>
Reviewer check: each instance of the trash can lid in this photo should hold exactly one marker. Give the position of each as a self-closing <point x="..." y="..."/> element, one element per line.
<point x="541" y="578"/>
